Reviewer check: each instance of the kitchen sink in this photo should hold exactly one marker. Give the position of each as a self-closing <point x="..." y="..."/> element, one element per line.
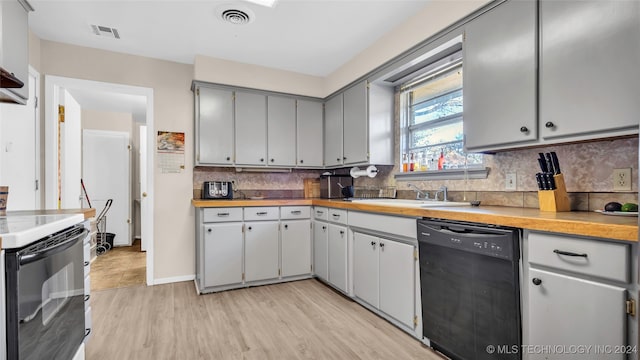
<point x="409" y="202"/>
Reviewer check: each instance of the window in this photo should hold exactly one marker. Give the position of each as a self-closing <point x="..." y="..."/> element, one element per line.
<point x="431" y="119"/>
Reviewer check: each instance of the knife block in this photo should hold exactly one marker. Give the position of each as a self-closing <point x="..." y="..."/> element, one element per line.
<point x="555" y="200"/>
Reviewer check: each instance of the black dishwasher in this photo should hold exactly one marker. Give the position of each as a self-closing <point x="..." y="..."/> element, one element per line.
<point x="469" y="277"/>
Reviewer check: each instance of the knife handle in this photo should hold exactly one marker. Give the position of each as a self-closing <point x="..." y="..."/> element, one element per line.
<point x="556" y="163"/>
<point x="539" y="181"/>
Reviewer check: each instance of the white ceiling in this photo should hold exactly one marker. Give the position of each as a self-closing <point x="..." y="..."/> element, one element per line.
<point x="312" y="37"/>
<point x="111" y="101"/>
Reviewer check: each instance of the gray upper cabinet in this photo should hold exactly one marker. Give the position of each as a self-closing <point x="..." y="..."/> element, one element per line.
<point x="589" y="78"/>
<point x="355" y="123"/>
<point x="251" y="128"/>
<point x="333" y="131"/>
<point x="309" y="133"/>
<point x="359" y="126"/>
<point x="14" y="48"/>
<point x="214" y="126"/>
<point x="500" y="77"/>
<point x="281" y="131"/>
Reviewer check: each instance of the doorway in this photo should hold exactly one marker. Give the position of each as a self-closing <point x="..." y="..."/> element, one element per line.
<point x="108" y="97"/>
<point x="20" y="149"/>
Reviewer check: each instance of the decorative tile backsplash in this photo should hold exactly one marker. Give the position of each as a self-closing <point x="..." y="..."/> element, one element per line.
<point x="587" y="168"/>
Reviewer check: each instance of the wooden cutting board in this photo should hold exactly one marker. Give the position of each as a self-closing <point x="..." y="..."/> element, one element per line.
<point x="311" y="188"/>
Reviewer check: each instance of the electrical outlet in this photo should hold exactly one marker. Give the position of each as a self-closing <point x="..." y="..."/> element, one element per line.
<point x="510" y="181"/>
<point x="622" y="179"/>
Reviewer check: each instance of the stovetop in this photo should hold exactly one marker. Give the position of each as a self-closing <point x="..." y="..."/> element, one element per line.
<point x="20" y="230"/>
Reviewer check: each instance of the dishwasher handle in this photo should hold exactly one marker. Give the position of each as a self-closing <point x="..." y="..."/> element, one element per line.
<point x="465" y="232"/>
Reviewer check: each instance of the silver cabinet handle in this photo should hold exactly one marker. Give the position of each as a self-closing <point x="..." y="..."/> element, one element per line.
<point x="296" y="212"/>
<point x="223" y="214"/>
<point x="261" y="213"/>
<point x="319" y="212"/>
<point x="335" y="215"/>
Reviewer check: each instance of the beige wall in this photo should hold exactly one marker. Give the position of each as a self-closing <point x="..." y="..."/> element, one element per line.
<point x="436" y="16"/>
<point x="173" y="111"/>
<point x="258" y="77"/>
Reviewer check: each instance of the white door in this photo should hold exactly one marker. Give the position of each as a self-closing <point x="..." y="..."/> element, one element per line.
<point x="365" y="268"/>
<point x="20" y="153"/>
<point x="261" y="250"/>
<point x="397" y="269"/>
<point x="106" y="175"/>
<point x="564" y="310"/>
<point x="70" y="171"/>
<point x="296" y="247"/>
<point x="144" y="203"/>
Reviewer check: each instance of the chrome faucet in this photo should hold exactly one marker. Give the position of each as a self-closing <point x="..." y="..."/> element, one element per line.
<point x="443" y="190"/>
<point x="418" y="192"/>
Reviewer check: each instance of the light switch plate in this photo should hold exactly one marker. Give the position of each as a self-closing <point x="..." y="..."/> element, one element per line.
<point x="622" y="179"/>
<point x="510" y="182"/>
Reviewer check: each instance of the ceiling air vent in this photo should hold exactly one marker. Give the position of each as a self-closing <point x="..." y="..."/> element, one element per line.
<point x="234" y="14"/>
<point x="105" y="31"/>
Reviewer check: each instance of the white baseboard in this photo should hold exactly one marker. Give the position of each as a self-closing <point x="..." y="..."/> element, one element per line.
<point x="174" y="279"/>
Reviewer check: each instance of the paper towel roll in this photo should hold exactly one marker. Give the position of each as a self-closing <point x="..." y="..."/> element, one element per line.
<point x="371" y="171"/>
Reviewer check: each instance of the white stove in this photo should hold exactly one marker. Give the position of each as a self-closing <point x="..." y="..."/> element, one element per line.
<point x="20" y="230"/>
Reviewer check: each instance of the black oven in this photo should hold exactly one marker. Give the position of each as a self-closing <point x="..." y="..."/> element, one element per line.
<point x="45" y="297"/>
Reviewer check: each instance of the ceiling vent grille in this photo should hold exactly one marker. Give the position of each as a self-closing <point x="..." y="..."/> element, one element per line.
<point x="236" y="17"/>
<point x="105" y="31"/>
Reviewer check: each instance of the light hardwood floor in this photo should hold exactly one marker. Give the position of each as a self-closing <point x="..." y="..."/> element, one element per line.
<point x="296" y="320"/>
<point x="119" y="267"/>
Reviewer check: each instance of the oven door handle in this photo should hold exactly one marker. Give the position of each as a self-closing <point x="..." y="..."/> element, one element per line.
<point x="40" y="254"/>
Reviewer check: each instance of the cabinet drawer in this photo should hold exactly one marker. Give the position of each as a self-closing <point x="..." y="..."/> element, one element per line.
<point x="396" y="225"/>
<point x="320" y="213"/>
<point x="222" y="214"/>
<point x="338" y="216"/>
<point x="295" y="212"/>
<point x="583" y="256"/>
<point x="261" y="213"/>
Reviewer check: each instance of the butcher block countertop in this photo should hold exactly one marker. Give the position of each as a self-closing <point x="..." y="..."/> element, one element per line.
<point x="572" y="223"/>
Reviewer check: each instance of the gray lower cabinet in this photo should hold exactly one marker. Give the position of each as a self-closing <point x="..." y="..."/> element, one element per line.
<point x="338" y="256"/>
<point x="281" y="131"/>
<point x="214" y="126"/>
<point x="251" y="128"/>
<point x="222" y="246"/>
<point x="568" y="310"/>
<point x="238" y="247"/>
<point x="309" y="136"/>
<point x="500" y="55"/>
<point x="321" y="249"/>
<point x="576" y="294"/>
<point x="261" y="250"/>
<point x="295" y="243"/>
<point x="384" y="276"/>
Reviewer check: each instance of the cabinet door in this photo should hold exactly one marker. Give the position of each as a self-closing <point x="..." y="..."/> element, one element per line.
<point x="251" y="129"/>
<point x="222" y="254"/>
<point x="589" y="81"/>
<point x="397" y="280"/>
<point x="338" y="256"/>
<point x="281" y="131"/>
<point x="564" y="310"/>
<point x="355" y="126"/>
<point x="500" y="55"/>
<point x="214" y="121"/>
<point x="296" y="247"/>
<point x="310" y="130"/>
<point x="261" y="250"/>
<point x="320" y="249"/>
<point x="333" y="131"/>
<point x="365" y="268"/>
<point x="15" y="43"/>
